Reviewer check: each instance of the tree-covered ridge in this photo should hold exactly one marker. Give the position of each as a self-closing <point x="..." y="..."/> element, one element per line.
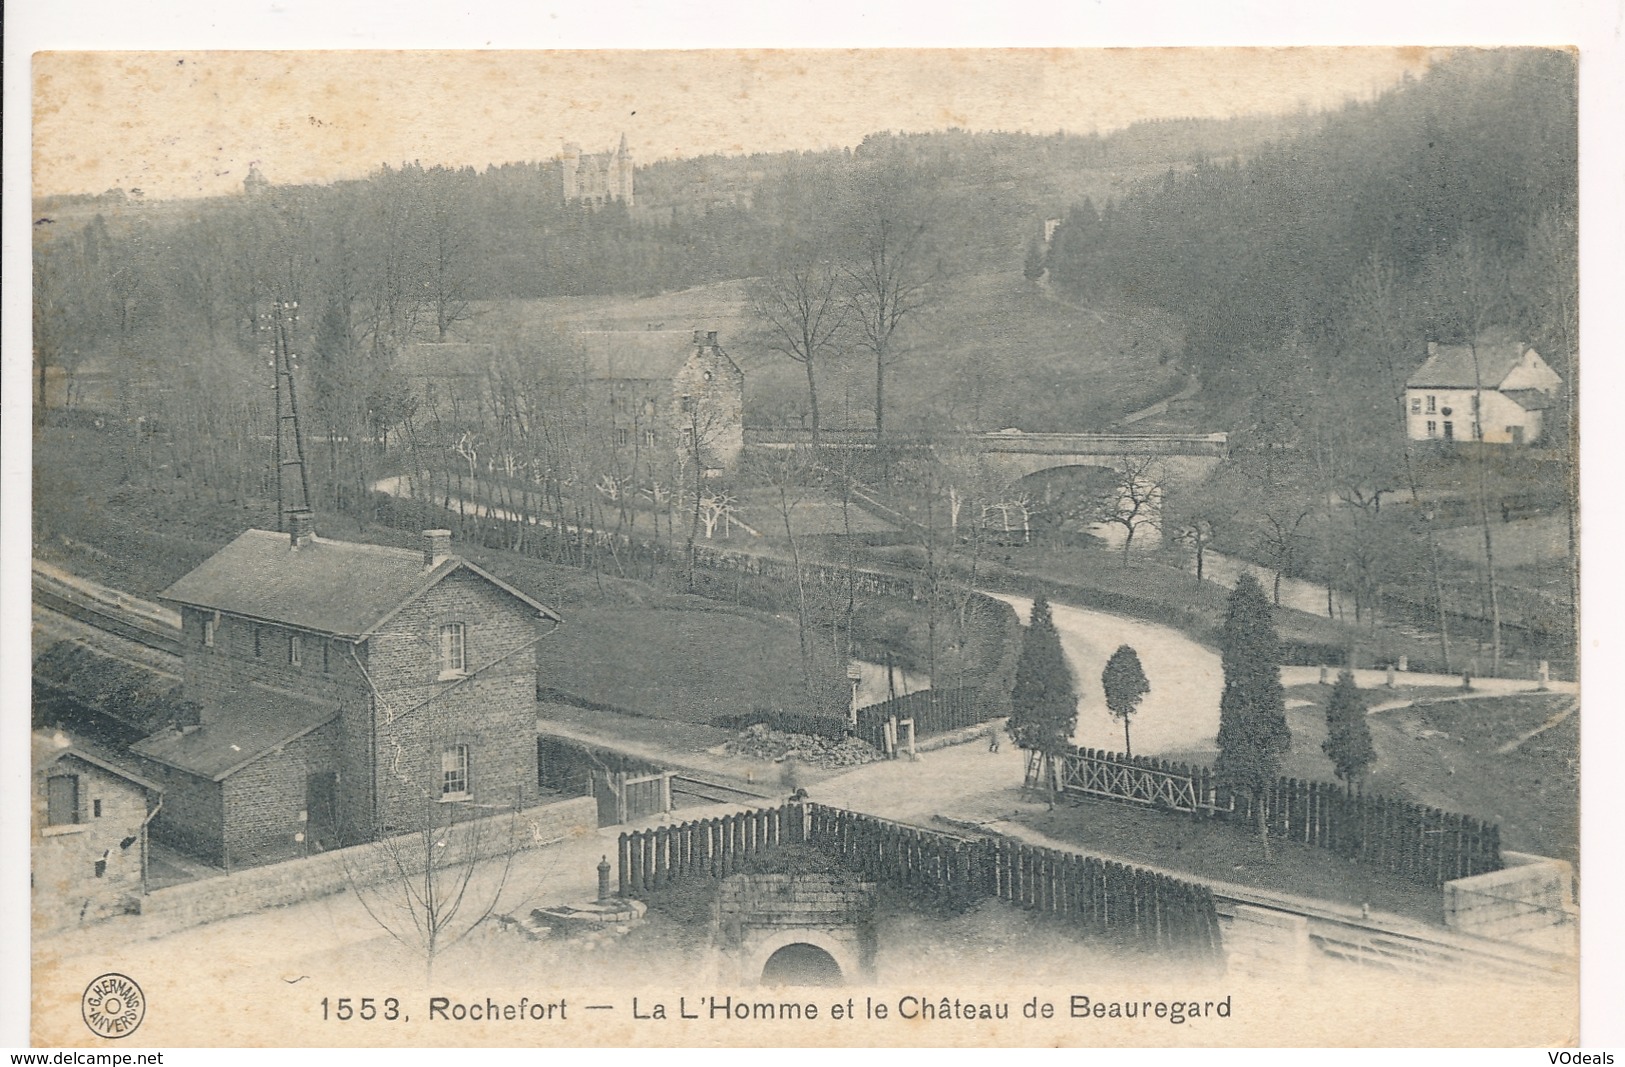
<point x="1476" y="158"/>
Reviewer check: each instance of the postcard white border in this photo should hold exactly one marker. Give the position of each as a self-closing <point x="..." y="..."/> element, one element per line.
<point x="1595" y="26"/>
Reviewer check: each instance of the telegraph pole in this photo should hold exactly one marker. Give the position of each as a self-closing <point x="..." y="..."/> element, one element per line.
<point x="279" y="322"/>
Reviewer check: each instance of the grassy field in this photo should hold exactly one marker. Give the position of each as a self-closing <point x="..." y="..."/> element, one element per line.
<point x="991" y="348"/>
<point x="1521" y="543"/>
<point x="1442" y="751"/>
<point x="692" y="664"/>
<point x="1533" y="791"/>
<point x="1227" y="853"/>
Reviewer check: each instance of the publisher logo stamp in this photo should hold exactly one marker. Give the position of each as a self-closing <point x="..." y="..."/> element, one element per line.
<point x="113" y="1006"/>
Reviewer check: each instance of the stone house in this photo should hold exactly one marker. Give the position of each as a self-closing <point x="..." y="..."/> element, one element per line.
<point x="1494" y="391"/>
<point x="89" y="820"/>
<point x="668" y="393"/>
<point x="344" y="691"/>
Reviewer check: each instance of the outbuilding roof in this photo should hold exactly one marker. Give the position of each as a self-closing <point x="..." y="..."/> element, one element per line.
<point x="255" y="721"/>
<point x="1528" y="399"/>
<point x="49" y="750"/>
<point x="342" y="588"/>
<point x="1452" y="367"/>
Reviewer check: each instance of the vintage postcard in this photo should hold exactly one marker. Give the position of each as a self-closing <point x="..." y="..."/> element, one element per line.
<point x="866" y="547"/>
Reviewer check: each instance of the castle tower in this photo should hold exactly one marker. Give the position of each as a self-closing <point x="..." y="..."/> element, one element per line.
<point x="572" y="163"/>
<point x="623" y="172"/>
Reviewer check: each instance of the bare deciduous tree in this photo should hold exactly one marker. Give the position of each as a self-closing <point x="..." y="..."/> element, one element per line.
<point x="1139" y="498"/>
<point x="801" y="305"/>
<point x="431" y="887"/>
<point x="887" y="286"/>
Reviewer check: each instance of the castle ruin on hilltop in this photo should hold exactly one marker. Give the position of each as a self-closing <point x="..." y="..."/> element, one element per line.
<point x="599" y="178"/>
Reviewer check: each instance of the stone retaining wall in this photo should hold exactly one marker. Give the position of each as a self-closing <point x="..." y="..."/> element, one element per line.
<point x="1530" y="901"/>
<point x="211" y="899"/>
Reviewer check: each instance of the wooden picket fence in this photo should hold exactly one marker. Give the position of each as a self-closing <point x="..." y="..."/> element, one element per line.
<point x="934" y="711"/>
<point x="652" y="860"/>
<point x="1416" y="842"/>
<point x="1113" y="898"/>
<point x="941" y="867"/>
<point x="1099" y="898"/>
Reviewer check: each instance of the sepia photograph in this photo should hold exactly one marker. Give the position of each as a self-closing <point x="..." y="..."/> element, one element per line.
<point x="855" y="547"/>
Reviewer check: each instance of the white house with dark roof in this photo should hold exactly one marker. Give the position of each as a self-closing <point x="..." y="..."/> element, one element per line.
<point x="341" y="689"/>
<point x="1494" y="391"/>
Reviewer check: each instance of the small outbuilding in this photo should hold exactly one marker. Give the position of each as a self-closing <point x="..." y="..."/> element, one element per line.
<point x="89" y="838"/>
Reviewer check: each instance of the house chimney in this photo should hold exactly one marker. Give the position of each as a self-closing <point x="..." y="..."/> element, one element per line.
<point x="711" y="338"/>
<point x="436" y="546"/>
<point x="1433" y="347"/>
<point x="301" y="528"/>
<point x="698" y="337"/>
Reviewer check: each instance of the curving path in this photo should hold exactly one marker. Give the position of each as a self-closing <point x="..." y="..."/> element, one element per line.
<point x="1180" y="713"/>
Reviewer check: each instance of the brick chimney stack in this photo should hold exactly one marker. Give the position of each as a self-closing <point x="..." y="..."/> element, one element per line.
<point x="301" y="528"/>
<point x="699" y="337"/>
<point x="711" y="338"/>
<point x="436" y="547"/>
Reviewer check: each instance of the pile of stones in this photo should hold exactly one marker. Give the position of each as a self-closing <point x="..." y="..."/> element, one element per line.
<point x="761" y="742"/>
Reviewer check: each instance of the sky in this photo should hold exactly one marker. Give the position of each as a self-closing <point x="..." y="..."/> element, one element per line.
<point x="177" y="124"/>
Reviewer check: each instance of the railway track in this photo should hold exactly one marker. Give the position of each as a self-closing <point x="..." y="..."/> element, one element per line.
<point x="713" y="792"/>
<point x="105" y="614"/>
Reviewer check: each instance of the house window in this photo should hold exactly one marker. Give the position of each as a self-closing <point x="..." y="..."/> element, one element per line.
<point x="296" y="649"/>
<point x="327" y="657"/>
<point x="1433" y="404"/>
<point x="623" y="437"/>
<point x="1433" y="428"/>
<point x="1416" y="405"/>
<point x="453" y="649"/>
<point x="259" y="641"/>
<point x="454" y="773"/>
<point x="688" y="436"/>
<point x="208" y="633"/>
<point x="648" y="438"/>
<point x="688" y="404"/>
<point x="96" y="808"/>
<point x="62" y="800"/>
<point x="1449" y="430"/>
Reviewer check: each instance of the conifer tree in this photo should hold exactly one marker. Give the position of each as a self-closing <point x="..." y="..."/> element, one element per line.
<point x="1044" y="701"/>
<point x="1252" y="710"/>
<point x="1348" y="737"/>
<point x="1125" y="684"/>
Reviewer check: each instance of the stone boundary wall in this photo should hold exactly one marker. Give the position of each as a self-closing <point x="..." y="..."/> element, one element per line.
<point x="212" y="899"/>
<point x="808" y="899"/>
<point x="1525" y="901"/>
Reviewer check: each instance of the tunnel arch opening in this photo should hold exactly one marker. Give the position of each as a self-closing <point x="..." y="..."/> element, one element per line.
<point x="801" y="964"/>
